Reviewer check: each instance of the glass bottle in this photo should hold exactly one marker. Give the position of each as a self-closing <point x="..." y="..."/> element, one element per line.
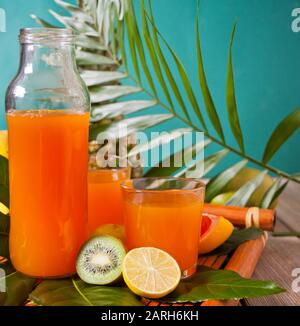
<point x="47" y="111"/>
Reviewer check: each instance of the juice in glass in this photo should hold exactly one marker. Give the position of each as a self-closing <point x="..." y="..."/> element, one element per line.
<point x="165" y="213"/>
<point x="48" y="154"/>
<point x="104" y="197"/>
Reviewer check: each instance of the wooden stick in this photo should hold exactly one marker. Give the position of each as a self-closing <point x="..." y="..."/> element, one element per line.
<point x="237" y="215"/>
<point x="243" y="261"/>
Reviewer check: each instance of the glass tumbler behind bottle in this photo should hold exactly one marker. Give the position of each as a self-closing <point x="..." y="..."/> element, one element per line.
<point x="47" y="110"/>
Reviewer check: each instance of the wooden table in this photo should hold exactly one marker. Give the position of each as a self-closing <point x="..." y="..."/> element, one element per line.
<point x="282" y="254"/>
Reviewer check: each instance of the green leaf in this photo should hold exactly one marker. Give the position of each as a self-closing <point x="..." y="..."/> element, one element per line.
<point x="273" y="193"/>
<point x="126" y="127"/>
<point x="242" y="195"/>
<point x="42" y="22"/>
<point x="107" y="12"/>
<point x="209" y="163"/>
<point x="95" y="77"/>
<point x="132" y="49"/>
<point x="85" y="58"/>
<point x="162" y="170"/>
<point x="216" y="184"/>
<point x="184" y="77"/>
<point x="238" y="237"/>
<point x="112" y="30"/>
<point x="281" y="134"/>
<point x="160" y="140"/>
<point x="114" y="110"/>
<point x="89" y="43"/>
<point x="120" y="30"/>
<point x="75" y="24"/>
<point x="167" y="69"/>
<point x="297" y="176"/>
<point x="75" y="11"/>
<point x="153" y="56"/>
<point x="135" y="34"/>
<point x="231" y="100"/>
<point x="18" y="288"/>
<point x="4" y="232"/>
<point x="220" y="285"/>
<point x="4" y="181"/>
<point x="209" y="103"/>
<point x="77" y="293"/>
<point x="109" y="93"/>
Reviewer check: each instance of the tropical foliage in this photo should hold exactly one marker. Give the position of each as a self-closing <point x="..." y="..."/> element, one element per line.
<point x="109" y="39"/>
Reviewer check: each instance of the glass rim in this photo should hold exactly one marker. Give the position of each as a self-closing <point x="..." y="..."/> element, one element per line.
<point x="200" y="185"/>
<point x="46" y="35"/>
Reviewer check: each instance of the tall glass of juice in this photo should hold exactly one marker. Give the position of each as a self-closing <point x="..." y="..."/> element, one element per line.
<point x="105" y="203"/>
<point x="47" y="110"/>
<point x="165" y="213"/>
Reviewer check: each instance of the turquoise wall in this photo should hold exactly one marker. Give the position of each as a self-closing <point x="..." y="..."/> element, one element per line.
<point x="266" y="59"/>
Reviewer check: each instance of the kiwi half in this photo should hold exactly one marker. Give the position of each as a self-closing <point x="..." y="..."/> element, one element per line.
<point x="100" y="260"/>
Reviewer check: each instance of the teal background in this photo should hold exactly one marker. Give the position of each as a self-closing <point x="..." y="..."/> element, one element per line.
<point x="266" y="59"/>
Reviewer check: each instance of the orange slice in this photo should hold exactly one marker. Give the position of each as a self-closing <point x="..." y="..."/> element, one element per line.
<point x="215" y="230"/>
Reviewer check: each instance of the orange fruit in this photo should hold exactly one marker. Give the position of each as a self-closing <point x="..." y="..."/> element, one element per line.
<point x="215" y="230"/>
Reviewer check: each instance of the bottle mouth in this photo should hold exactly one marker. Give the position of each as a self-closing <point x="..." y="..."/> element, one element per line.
<point x="46" y="35"/>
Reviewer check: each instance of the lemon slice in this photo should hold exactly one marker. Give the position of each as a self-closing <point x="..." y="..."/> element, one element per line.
<point x="150" y="272"/>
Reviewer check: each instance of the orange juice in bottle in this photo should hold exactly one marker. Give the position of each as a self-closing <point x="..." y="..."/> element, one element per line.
<point x="47" y="110"/>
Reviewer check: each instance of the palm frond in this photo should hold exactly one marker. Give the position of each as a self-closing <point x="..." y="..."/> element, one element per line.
<point x="231" y="100"/>
<point x="281" y="134"/>
<point x="110" y="41"/>
<point x="209" y="103"/>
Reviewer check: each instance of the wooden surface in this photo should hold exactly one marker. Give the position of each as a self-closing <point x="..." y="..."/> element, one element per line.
<point x="282" y="254"/>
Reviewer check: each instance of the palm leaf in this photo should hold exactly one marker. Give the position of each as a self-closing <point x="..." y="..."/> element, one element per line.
<point x="184" y="78"/>
<point x="167" y="69"/>
<point x="209" y="103"/>
<point x="113" y="110"/>
<point x="133" y="50"/>
<point x="231" y="100"/>
<point x="168" y="167"/>
<point x="109" y="93"/>
<point x="281" y="134"/>
<point x="135" y="36"/>
<point x="42" y="22"/>
<point x="218" y="183"/>
<point x="273" y="193"/>
<point x="159" y="140"/>
<point x="204" y="165"/>
<point x="242" y="196"/>
<point x="153" y="55"/>
<point x="94" y="77"/>
<point x="75" y="11"/>
<point x="125" y="127"/>
<point x="85" y="58"/>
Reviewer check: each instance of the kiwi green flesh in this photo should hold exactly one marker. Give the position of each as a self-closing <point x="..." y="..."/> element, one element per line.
<point x="100" y="260"/>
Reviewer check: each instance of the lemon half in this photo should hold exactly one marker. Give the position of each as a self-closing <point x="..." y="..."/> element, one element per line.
<point x="150" y="272"/>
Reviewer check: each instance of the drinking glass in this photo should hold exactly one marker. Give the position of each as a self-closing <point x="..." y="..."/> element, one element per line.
<point x="105" y="197"/>
<point x="165" y="213"/>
